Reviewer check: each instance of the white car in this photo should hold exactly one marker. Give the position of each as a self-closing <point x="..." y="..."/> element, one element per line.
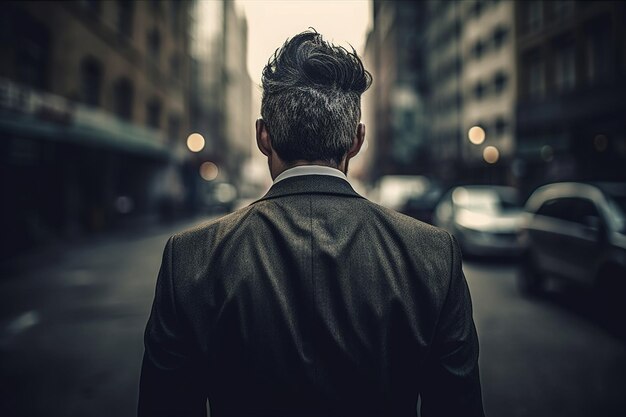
<point x="576" y="232"/>
<point x="485" y="219"/>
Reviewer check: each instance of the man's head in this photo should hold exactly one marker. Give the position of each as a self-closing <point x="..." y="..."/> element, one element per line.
<point x="311" y="103"/>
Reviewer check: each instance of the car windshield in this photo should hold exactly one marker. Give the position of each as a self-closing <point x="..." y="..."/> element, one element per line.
<point x="489" y="201"/>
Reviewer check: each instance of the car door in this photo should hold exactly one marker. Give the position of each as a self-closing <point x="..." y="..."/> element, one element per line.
<point x="582" y="242"/>
<point x="546" y="231"/>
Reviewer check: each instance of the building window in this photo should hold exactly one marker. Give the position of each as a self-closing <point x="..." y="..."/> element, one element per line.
<point x="598" y="51"/>
<point x="534" y="71"/>
<point x="534" y="15"/>
<point x="153" y="112"/>
<point x="125" y="17"/>
<point x="476" y="8"/>
<point x="31" y="48"/>
<point x="457" y="27"/>
<point x="499" y="36"/>
<point x="457" y="100"/>
<point x="91" y="81"/>
<point x="562" y="9"/>
<point x="175" y="67"/>
<point x="500" y="81"/>
<point x="479" y="90"/>
<point x="565" y="67"/>
<point x="123" y="98"/>
<point x="173" y="128"/>
<point x="175" y="16"/>
<point x="500" y="126"/>
<point x="478" y="49"/>
<point x="154" y="45"/>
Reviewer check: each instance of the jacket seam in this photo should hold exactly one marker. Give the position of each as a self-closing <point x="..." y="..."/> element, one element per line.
<point x="314" y="295"/>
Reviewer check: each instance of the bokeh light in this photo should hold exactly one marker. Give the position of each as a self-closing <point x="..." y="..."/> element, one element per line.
<point x="195" y="142"/>
<point x="209" y="171"/>
<point x="476" y="135"/>
<point x="491" y="154"/>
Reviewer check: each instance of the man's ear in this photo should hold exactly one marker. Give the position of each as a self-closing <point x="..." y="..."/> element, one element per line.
<point x="263" y="138"/>
<point x="357" y="142"/>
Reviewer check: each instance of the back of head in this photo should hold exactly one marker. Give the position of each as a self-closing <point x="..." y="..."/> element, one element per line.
<point x="312" y="99"/>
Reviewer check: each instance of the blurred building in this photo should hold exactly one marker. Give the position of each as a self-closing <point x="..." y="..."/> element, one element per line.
<point x="93" y="114"/>
<point x="516" y="93"/>
<point x="471" y="77"/>
<point x="440" y="68"/>
<point x="571" y="114"/>
<point x="238" y="90"/>
<point x="488" y="85"/>
<point x="362" y="166"/>
<point x="221" y="93"/>
<point x="394" y="108"/>
<point x="444" y="64"/>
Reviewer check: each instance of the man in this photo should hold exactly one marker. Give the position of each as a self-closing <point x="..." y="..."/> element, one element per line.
<point x="311" y="301"/>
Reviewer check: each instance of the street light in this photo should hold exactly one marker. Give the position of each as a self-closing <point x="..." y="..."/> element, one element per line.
<point x="195" y="142"/>
<point x="491" y="154"/>
<point x="476" y="135"/>
<point x="209" y="171"/>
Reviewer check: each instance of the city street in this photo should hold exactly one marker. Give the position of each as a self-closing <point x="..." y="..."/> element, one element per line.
<point x="543" y="357"/>
<point x="71" y="337"/>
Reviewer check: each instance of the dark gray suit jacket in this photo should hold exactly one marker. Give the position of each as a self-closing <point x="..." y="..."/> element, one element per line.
<point x="311" y="301"/>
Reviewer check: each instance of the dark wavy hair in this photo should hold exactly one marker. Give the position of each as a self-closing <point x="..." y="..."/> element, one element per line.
<point x="312" y="98"/>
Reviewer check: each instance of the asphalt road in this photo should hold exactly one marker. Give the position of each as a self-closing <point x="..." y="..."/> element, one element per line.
<point x="547" y="356"/>
<point x="71" y="337"/>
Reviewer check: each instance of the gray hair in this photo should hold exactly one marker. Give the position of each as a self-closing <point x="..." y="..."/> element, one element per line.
<point x="312" y="99"/>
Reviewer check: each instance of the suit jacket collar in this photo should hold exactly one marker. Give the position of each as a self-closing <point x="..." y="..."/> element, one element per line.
<point x="310" y="184"/>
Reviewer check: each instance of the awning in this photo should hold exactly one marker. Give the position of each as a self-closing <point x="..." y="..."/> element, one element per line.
<point x="38" y="115"/>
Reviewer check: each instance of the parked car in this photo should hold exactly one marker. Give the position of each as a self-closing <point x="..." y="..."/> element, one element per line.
<point x="485" y="219"/>
<point x="575" y="231"/>
<point x="393" y="191"/>
<point x="422" y="206"/>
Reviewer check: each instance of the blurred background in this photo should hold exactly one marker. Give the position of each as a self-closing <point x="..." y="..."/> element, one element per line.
<point x="122" y="122"/>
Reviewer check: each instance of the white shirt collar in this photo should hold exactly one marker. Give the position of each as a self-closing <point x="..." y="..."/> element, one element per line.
<point x="310" y="170"/>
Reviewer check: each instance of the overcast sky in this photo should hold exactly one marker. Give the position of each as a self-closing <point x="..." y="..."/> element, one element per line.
<point x="271" y="22"/>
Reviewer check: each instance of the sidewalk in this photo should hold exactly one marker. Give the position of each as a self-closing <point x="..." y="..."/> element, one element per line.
<point x="53" y="251"/>
<point x="72" y="318"/>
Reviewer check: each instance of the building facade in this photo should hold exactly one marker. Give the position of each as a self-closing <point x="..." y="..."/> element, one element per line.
<point x="238" y="90"/>
<point x="394" y="108"/>
<point x="517" y="93"/>
<point x="571" y="59"/>
<point x="221" y="93"/>
<point x="444" y="64"/>
<point x="93" y="113"/>
<point x="488" y="85"/>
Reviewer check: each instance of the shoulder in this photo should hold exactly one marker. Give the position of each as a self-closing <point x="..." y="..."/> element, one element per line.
<point x="410" y="227"/>
<point x="430" y="249"/>
<point x="204" y="235"/>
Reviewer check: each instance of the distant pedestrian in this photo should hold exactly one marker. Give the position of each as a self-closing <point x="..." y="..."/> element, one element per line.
<point x="312" y="301"/>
